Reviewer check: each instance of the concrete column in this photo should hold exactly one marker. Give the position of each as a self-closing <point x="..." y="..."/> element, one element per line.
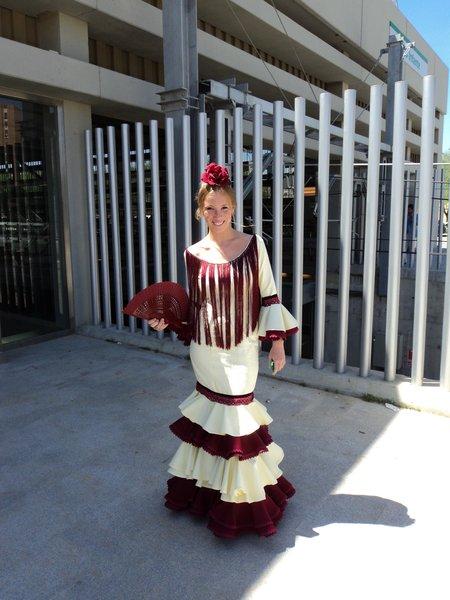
<point x="69" y="36"/>
<point x="75" y="118"/>
<point x="64" y="34"/>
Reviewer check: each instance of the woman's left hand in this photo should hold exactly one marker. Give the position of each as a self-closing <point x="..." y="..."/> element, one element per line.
<point x="278" y="355"/>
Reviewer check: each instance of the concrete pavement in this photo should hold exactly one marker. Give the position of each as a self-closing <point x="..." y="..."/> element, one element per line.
<point x="85" y="446"/>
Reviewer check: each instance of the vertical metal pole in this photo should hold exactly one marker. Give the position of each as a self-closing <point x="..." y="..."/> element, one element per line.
<point x="395" y="238"/>
<point x="20" y="211"/>
<point x="27" y="215"/>
<point x="237" y="171"/>
<point x="445" y="343"/>
<point x="103" y="226"/>
<point x="220" y="136"/>
<point x="299" y="224"/>
<point x="423" y="234"/>
<point x="187" y="179"/>
<point x="434" y="217"/>
<point x="405" y="256"/>
<point x="131" y="289"/>
<point x="415" y="221"/>
<point x="395" y="64"/>
<point x="277" y="195"/>
<point x="441" y="221"/>
<point x="7" y="209"/>
<point x="156" y="205"/>
<point x="395" y="70"/>
<point x="171" y="206"/>
<point x="348" y="155"/>
<point x="371" y="226"/>
<point x="202" y="158"/>
<point x="322" y="230"/>
<point x="353" y="233"/>
<point x="117" y="263"/>
<point x="257" y="168"/>
<point x="180" y="96"/>
<point x="95" y="288"/>
<point x="142" y="221"/>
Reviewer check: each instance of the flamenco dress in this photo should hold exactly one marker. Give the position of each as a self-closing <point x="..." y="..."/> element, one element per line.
<point x="226" y="467"/>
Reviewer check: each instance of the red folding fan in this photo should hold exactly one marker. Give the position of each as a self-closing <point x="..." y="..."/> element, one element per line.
<point x="164" y="299"/>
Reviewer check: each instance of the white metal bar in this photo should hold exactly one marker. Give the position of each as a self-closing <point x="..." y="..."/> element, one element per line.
<point x="220" y="136"/>
<point x="277" y="195"/>
<point x="117" y="262"/>
<point x="423" y="234"/>
<point x="156" y="201"/>
<point x="237" y="168"/>
<point x="322" y="228"/>
<point x="348" y="154"/>
<point x="395" y="231"/>
<point x="371" y="226"/>
<point x="299" y="226"/>
<point x="257" y="168"/>
<point x="187" y="180"/>
<point x="202" y="158"/>
<point x="171" y="205"/>
<point x="156" y="205"/>
<point x="129" y="247"/>
<point x="95" y="287"/>
<point x="106" y="298"/>
<point x="142" y="221"/>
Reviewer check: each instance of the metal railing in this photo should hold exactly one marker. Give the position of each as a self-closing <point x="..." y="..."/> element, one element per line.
<point x="288" y="128"/>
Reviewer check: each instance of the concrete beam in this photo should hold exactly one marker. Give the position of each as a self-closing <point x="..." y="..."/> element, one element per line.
<point x="49" y="74"/>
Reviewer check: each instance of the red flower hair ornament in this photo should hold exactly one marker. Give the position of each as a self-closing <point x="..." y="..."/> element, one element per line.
<point x="215" y="174"/>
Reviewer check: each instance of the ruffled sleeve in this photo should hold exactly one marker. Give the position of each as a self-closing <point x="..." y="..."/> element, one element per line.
<point x="275" y="321"/>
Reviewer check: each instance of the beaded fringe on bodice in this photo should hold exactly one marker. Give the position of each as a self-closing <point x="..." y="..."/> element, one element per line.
<point x="224" y="298"/>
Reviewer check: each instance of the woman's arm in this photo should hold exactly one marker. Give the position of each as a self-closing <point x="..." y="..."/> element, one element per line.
<point x="275" y="321"/>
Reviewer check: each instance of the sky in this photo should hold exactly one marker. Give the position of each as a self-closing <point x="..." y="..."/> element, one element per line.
<point x="431" y="18"/>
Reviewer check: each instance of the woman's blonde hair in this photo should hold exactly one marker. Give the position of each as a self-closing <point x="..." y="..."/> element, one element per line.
<point x="205" y="189"/>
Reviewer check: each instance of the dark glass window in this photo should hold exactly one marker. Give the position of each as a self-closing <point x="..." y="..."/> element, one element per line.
<point x="33" y="293"/>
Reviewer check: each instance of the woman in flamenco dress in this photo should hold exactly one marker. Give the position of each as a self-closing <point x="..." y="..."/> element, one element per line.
<point x="226" y="467"/>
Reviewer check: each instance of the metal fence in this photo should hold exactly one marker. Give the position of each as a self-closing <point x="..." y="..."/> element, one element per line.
<point x="131" y="192"/>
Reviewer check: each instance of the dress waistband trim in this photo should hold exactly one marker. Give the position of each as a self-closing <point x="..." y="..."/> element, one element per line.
<point x="224" y="398"/>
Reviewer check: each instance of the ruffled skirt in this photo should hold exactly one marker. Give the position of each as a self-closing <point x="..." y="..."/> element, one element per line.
<point x="226" y="467"/>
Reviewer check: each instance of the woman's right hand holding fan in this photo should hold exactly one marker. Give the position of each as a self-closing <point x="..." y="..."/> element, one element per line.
<point x="158" y="324"/>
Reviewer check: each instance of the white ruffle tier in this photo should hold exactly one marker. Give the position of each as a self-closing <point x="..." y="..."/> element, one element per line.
<point x="237" y="480"/>
<point x="275" y="317"/>
<point x="223" y="419"/>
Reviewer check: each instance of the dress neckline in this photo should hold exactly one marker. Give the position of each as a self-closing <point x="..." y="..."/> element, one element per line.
<point x="228" y="261"/>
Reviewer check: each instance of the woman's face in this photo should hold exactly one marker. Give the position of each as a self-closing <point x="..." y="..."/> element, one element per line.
<point x="218" y="210"/>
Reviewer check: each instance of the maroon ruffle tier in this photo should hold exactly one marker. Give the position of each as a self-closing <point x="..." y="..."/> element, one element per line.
<point x="230" y="519"/>
<point x="226" y="446"/>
